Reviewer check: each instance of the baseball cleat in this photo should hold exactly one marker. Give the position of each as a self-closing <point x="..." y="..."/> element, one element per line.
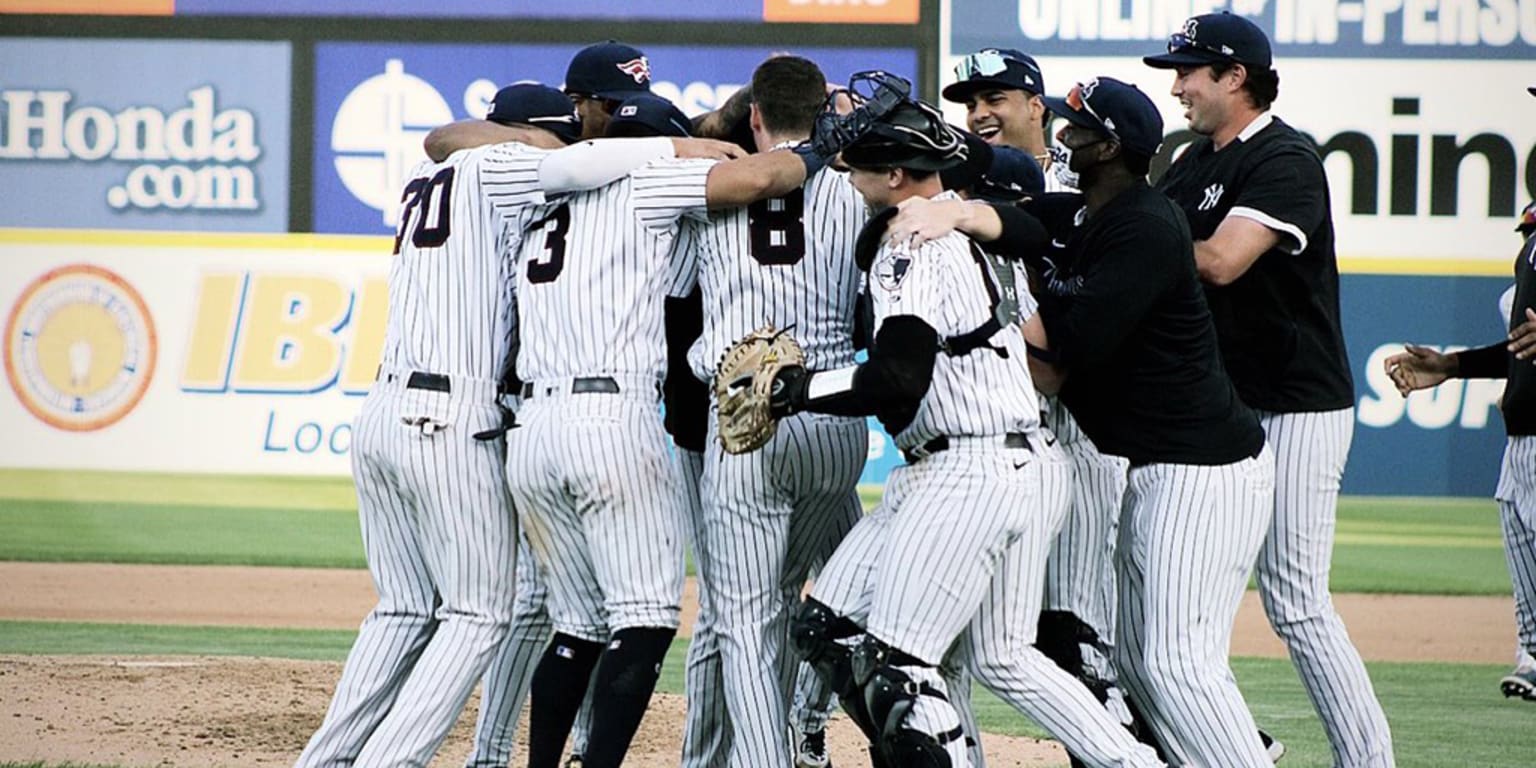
<point x="812" y="752"/>
<point x="1520" y="683"/>
<point x="573" y="762"/>
<point x="1273" y="746"/>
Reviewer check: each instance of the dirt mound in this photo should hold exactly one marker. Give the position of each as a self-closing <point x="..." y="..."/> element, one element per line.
<point x="236" y="711"/>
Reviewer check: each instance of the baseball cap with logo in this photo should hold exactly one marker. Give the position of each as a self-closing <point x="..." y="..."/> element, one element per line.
<point x="1526" y="224"/>
<point x="1117" y="109"/>
<point x="995" y="68"/>
<point x="1214" y="38"/>
<point x="537" y="105"/>
<point x="610" y="70"/>
<point x="648" y="115"/>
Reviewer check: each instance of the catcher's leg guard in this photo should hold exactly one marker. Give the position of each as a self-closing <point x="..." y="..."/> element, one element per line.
<point x="890" y="695"/>
<point x="815" y="632"/>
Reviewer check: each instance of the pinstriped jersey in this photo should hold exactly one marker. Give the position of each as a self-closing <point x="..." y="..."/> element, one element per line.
<point x="945" y="282"/>
<point x="592" y="272"/>
<point x="786" y="261"/>
<point x="451" y="308"/>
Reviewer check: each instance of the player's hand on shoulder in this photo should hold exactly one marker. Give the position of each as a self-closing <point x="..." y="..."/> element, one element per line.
<point x="706" y="149"/>
<point x="920" y="220"/>
<point x="1522" y="340"/>
<point x="1418" y="367"/>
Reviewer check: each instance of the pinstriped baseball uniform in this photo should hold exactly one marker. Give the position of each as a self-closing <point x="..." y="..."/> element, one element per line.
<point x="1523" y="658"/>
<point x="1281" y="341"/>
<point x="770" y="514"/>
<point x="589" y="468"/>
<point x="437" y="521"/>
<point x="504" y="689"/>
<point x="958" y="543"/>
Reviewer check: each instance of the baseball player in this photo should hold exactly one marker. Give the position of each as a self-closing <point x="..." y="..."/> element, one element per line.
<point x="1136" y="359"/>
<point x="1421" y="368"/>
<point x="436" y="517"/>
<point x="956" y="549"/>
<point x="1002" y="91"/>
<point x="599" y="77"/>
<point x="605" y="525"/>
<point x="511" y="673"/>
<point x="1254" y="192"/>
<point x="770" y="514"/>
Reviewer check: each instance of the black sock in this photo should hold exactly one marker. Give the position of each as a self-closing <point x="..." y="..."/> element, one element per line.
<point x="559" y="684"/>
<point x="626" y="676"/>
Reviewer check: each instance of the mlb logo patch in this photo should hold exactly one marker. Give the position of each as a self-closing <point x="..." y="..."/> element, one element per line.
<point x="628" y="110"/>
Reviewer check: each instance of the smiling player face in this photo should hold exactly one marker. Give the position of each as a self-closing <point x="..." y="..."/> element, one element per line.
<point x="1008" y="117"/>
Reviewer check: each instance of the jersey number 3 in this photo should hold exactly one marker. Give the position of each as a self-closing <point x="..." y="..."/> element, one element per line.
<point x="426" y="193"/>
<point x="555" y="227"/>
<point x="778" y="229"/>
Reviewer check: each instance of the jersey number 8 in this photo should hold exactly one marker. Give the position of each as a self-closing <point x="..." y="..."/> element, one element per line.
<point x="778" y="229"/>
<point x="421" y="192"/>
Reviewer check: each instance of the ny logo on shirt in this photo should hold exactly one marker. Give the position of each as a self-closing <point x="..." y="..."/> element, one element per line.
<point x="1212" y="195"/>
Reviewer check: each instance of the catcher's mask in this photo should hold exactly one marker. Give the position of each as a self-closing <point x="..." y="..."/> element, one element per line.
<point x="913" y="135"/>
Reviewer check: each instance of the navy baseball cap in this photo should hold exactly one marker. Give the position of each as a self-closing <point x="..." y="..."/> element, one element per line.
<point x="996" y="174"/>
<point x="1117" y="109"/>
<point x="1526" y="224"/>
<point x="608" y="70"/>
<point x="1013" y="175"/>
<point x="995" y="69"/>
<point x="537" y="105"/>
<point x="1531" y="90"/>
<point x="1214" y="38"/>
<point x="648" y="115"/>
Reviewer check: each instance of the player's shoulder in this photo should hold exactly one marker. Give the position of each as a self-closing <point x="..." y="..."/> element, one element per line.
<point x="1279" y="144"/>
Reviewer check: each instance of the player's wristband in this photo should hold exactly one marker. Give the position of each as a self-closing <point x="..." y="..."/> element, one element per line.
<point x="813" y="160"/>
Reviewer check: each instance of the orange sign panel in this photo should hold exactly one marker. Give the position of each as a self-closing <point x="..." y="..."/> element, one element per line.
<point x="91" y="7"/>
<point x="842" y="11"/>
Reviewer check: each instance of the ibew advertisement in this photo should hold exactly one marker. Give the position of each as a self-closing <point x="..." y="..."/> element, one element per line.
<point x="188" y="352"/>
<point x="145" y="134"/>
<point x="374" y="103"/>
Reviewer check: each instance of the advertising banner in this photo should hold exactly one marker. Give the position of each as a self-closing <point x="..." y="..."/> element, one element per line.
<point x="812" y="11"/>
<point x="180" y="352"/>
<point x="375" y="102"/>
<point x="145" y="134"/>
<point x="188" y="352"/>
<point x="1425" y="182"/>
<point x="250" y="354"/>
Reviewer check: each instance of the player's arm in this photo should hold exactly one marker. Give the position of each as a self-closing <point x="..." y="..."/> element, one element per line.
<point x="1282" y="200"/>
<point x="1047" y="376"/>
<point x="1002" y="229"/>
<point x="756" y="177"/>
<point x="894" y="379"/>
<point x="444" y="140"/>
<point x="721" y="122"/>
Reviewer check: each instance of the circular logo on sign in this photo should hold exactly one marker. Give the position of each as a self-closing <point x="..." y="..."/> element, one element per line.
<point x="79" y="348"/>
<point x="378" y="131"/>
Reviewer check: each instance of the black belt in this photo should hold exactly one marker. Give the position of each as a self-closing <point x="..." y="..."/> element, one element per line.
<point x="583" y="385"/>
<point x="433" y="382"/>
<point x="941" y="443"/>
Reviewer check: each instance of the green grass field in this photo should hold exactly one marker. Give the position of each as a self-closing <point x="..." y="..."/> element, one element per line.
<point x="1443" y="714"/>
<point x="1406" y="545"/>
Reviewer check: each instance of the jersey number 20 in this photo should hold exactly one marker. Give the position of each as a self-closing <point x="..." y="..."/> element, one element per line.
<point x="778" y="230"/>
<point x="555" y="227"/>
<point x="425" y="192"/>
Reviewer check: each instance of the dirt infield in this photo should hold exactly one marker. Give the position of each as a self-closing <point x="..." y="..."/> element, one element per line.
<point x="223" y="711"/>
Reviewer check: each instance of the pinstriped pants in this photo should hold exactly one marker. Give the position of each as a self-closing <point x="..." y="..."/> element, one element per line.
<point x="1188" y="538"/>
<point x="602" y="505"/>
<point x="440" y="538"/>
<point x="1310" y="452"/>
<point x="956" y="551"/>
<point x="1517" y="512"/>
<point x="768" y="517"/>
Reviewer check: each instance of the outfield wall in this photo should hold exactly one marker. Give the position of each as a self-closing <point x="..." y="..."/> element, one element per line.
<point x="250" y="354"/>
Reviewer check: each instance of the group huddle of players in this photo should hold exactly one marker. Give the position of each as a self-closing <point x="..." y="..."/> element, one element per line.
<point x="1113" y="399"/>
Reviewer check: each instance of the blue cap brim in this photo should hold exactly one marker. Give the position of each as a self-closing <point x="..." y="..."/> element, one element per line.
<point x="1185" y="58"/>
